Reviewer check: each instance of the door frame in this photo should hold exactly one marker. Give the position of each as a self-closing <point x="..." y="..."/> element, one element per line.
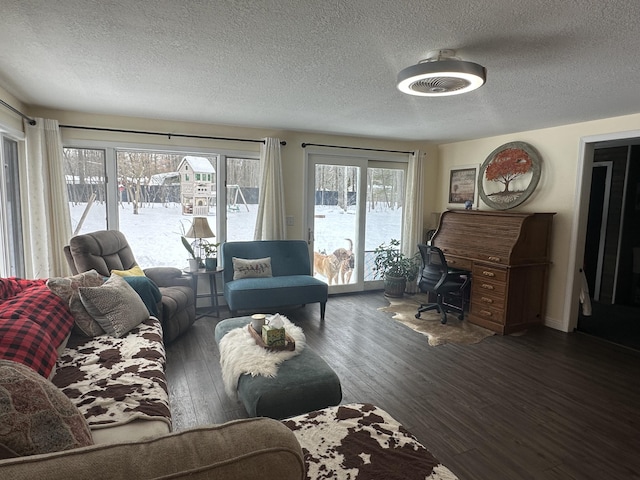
<point x="587" y="146"/>
<point x="311" y="160"/>
<point x="353" y="157"/>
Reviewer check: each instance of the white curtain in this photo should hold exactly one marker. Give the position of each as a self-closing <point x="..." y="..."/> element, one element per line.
<point x="46" y="221"/>
<point x="270" y="223"/>
<point x="412" y="212"/>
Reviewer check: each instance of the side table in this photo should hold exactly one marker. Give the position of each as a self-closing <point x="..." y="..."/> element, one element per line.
<point x="213" y="289"/>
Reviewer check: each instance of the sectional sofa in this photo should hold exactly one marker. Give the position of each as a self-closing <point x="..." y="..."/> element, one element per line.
<point x="78" y="403"/>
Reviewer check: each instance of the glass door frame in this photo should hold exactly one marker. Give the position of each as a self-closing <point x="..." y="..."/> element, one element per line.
<point x="320" y="158"/>
<point x="361" y="160"/>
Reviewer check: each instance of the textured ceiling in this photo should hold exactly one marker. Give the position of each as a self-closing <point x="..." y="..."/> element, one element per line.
<point x="324" y="66"/>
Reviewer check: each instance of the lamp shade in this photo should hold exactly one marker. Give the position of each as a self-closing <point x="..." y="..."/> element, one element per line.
<point x="200" y="229"/>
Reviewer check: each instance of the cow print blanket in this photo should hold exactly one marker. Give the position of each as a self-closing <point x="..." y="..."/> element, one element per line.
<point x="362" y="442"/>
<point x="112" y="380"/>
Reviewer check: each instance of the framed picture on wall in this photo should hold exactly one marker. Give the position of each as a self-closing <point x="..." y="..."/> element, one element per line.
<point x="509" y="175"/>
<point x="463" y="185"/>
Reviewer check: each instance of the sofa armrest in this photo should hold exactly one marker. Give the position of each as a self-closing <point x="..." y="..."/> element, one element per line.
<point x="167" y="277"/>
<point x="242" y="449"/>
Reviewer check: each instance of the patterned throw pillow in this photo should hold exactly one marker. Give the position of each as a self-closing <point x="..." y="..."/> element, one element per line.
<point x="84" y="325"/>
<point x="64" y="287"/>
<point x="36" y="416"/>
<point x="67" y="289"/>
<point x="251" y="268"/>
<point x="115" y="305"/>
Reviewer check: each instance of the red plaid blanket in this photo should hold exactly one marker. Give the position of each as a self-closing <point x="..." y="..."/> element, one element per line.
<point x="33" y="323"/>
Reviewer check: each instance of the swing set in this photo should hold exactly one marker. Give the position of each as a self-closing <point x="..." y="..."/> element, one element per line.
<point x="233" y="191"/>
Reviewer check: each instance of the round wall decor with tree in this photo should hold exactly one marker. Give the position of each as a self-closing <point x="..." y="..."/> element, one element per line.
<point x="509" y="175"/>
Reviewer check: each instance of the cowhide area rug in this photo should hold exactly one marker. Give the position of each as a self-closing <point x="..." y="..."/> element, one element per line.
<point x="454" y="331"/>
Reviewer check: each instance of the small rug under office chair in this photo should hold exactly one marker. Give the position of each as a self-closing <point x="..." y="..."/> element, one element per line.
<point x="454" y="331"/>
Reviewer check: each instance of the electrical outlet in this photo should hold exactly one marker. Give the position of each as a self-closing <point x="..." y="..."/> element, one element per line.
<point x="289" y="220"/>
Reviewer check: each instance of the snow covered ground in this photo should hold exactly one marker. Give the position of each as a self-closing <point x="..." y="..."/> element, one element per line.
<point x="154" y="234"/>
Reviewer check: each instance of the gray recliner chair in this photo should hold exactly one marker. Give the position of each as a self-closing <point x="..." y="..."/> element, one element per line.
<point x="107" y="250"/>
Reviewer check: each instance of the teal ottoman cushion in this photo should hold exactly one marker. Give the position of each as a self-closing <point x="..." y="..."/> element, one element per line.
<point x="304" y="383"/>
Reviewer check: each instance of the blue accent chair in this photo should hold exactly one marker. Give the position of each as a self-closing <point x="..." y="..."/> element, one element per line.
<point x="292" y="282"/>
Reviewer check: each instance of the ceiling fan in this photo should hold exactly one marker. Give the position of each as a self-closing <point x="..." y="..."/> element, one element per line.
<point x="441" y="74"/>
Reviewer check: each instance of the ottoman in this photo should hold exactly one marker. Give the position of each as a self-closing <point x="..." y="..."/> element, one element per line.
<point x="303" y="384"/>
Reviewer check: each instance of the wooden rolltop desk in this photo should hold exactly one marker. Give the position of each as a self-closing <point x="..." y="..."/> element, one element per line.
<point x="508" y="257"/>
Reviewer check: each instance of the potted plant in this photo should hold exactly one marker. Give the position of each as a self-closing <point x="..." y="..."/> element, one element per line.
<point x="412" y="275"/>
<point x="211" y="255"/>
<point x="393" y="266"/>
<point x="194" y="262"/>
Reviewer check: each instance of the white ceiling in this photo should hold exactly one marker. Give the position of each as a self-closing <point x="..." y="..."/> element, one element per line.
<point x="325" y="66"/>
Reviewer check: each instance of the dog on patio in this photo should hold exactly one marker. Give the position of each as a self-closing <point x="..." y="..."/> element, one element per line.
<point x="346" y="262"/>
<point x="336" y="267"/>
<point x="327" y="266"/>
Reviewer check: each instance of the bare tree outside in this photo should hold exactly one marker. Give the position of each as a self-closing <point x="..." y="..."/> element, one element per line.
<point x="85" y="170"/>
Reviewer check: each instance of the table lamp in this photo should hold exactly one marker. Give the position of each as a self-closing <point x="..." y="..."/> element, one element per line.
<point x="199" y="229"/>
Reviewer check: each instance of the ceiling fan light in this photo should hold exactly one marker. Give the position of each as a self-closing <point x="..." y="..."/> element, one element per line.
<point x="441" y="78"/>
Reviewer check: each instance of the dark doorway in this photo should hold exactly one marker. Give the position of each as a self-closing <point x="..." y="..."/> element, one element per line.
<point x="612" y="248"/>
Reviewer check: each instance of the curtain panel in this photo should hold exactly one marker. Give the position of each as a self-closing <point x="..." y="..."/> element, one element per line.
<point x="45" y="206"/>
<point x="412" y="221"/>
<point x="270" y="221"/>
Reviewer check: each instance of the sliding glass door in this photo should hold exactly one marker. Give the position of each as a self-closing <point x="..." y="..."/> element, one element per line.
<point x="12" y="252"/>
<point x="353" y="205"/>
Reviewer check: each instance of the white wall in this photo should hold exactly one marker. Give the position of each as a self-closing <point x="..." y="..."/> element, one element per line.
<point x="560" y="149"/>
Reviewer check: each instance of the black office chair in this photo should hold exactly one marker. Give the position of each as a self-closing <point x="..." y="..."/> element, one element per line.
<point x="437" y="278"/>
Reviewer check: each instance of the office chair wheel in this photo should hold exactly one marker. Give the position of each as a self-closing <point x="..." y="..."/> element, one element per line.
<point x="443" y="320"/>
<point x="461" y="317"/>
<point x="418" y="315"/>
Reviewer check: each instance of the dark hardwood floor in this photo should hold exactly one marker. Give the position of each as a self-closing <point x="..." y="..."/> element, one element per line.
<point x="543" y="405"/>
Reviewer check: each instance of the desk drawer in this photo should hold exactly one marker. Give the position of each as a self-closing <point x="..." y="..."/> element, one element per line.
<point x="458" y="262"/>
<point x="483" y="272"/>
<point x="486" y="299"/>
<point x="489" y="313"/>
<point x="481" y="286"/>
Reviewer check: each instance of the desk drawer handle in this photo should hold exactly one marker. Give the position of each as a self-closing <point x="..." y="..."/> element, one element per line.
<point x="494" y="259"/>
<point x="486" y="300"/>
<point x="488" y="274"/>
<point x="486" y="313"/>
<point x="451" y="262"/>
<point x="487" y="286"/>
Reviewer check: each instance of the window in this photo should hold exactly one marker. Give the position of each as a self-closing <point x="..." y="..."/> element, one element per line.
<point x="385" y="201"/>
<point x="84" y="170"/>
<point x="12" y="258"/>
<point x="155" y="196"/>
<point x="243" y="189"/>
